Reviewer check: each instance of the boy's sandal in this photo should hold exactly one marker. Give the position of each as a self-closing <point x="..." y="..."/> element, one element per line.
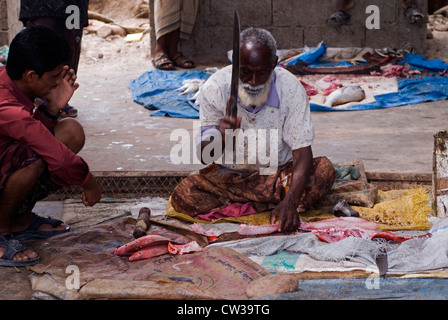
<point x="33" y="229"/>
<point x="12" y="247"/>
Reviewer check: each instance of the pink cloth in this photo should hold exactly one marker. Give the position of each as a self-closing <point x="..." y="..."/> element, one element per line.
<point x="233" y="210"/>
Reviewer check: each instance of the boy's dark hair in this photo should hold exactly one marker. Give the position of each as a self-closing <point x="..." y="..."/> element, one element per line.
<point x="36" y="48"/>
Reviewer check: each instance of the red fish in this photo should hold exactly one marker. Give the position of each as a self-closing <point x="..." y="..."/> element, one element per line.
<point x="190" y="247"/>
<point x="149" y="252"/>
<point x="337" y="234"/>
<point x="140" y="243"/>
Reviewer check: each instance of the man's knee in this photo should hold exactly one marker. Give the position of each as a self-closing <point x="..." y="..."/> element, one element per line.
<point x="71" y="133"/>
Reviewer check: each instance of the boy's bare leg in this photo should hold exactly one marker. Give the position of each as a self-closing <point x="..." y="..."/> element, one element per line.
<point x="17" y="188"/>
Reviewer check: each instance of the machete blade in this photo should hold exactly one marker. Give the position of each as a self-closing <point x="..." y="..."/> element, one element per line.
<point x="233" y="109"/>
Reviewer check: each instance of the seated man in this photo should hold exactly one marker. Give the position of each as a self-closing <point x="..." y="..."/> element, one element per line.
<point x="270" y="99"/>
<point x="37" y="151"/>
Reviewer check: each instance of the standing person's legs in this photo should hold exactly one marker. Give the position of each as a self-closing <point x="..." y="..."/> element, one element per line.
<point x="174" y="20"/>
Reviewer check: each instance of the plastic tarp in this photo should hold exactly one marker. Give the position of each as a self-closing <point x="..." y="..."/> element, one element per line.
<point x="418" y="61"/>
<point x="155" y="90"/>
<point x="410" y="91"/>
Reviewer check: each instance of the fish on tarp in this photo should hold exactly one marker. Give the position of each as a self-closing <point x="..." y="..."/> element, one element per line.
<point x="332" y="235"/>
<point x="136" y="245"/>
<point x="181" y="249"/>
<point x="337" y="229"/>
<point x="345" y="95"/>
<point x="190" y="86"/>
<point x="149" y="252"/>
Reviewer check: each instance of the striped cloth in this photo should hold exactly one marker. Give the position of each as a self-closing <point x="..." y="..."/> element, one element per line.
<point x="170" y="15"/>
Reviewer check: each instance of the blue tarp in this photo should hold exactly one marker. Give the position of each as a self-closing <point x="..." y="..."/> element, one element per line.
<point x="155" y="90"/>
<point x="410" y="91"/>
<point x="311" y="56"/>
<point x="418" y="61"/>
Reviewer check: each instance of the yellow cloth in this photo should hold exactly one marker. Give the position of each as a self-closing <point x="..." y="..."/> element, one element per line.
<point x="400" y="210"/>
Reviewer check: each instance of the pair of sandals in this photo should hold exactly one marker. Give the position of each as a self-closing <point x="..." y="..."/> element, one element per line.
<point x="12" y="245"/>
<point x="412" y="14"/>
<point x="165" y="63"/>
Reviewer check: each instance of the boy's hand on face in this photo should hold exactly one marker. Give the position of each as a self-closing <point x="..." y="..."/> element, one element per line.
<point x="59" y="97"/>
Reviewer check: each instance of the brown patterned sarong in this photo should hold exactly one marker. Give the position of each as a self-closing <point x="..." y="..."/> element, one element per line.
<point x="18" y="156"/>
<point x="212" y="189"/>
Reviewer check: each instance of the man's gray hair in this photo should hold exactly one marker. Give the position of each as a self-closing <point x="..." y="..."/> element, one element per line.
<point x="260" y="37"/>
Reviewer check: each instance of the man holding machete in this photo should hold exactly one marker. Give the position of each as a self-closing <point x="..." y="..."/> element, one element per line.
<point x="267" y="98"/>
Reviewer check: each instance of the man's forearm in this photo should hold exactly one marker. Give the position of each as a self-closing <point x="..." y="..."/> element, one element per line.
<point x="302" y="164"/>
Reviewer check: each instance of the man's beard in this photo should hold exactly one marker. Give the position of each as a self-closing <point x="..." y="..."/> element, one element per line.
<point x="255" y="96"/>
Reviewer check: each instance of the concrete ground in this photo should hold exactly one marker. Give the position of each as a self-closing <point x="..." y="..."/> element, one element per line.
<point x="122" y="137"/>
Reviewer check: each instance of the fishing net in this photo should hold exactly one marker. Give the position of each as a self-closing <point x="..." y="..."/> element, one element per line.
<point x="400" y="210"/>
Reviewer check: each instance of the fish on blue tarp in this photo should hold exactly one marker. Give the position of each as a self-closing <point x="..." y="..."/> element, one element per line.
<point x="345" y="95"/>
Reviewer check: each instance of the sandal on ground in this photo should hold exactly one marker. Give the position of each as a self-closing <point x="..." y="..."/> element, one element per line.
<point x="338" y="18"/>
<point x="413" y="15"/>
<point x="12" y="247"/>
<point x="33" y="229"/>
<point x="162" y="62"/>
<point x="68" y="112"/>
<point x="183" y="61"/>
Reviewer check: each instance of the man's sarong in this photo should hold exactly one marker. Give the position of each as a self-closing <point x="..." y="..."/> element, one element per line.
<point x="213" y="189"/>
<point x="170" y="15"/>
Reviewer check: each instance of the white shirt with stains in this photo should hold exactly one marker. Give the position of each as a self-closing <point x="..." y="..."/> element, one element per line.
<point x="282" y="125"/>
